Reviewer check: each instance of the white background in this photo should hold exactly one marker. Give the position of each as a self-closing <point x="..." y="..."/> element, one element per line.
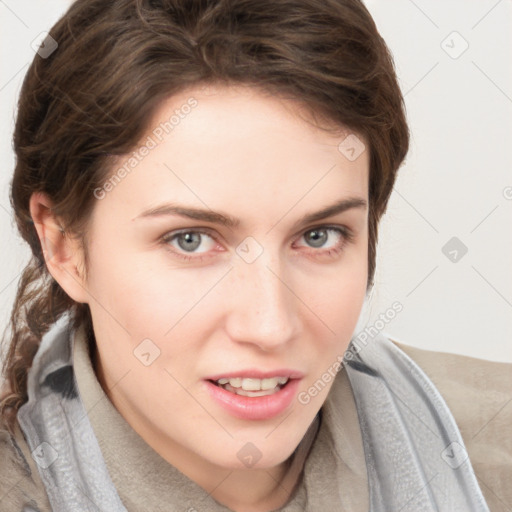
<point x="456" y="182"/>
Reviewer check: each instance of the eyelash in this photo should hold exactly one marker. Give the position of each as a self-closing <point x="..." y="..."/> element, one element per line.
<point x="347" y="235"/>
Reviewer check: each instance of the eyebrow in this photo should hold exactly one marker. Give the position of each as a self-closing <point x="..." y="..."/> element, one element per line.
<point x="232" y="222"/>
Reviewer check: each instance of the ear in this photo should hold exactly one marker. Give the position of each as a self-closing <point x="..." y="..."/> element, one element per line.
<point x="62" y="254"/>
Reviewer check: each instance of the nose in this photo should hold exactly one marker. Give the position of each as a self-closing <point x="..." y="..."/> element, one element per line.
<point x="262" y="306"/>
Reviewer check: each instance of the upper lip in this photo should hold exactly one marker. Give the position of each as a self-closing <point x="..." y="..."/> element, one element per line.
<point x="253" y="373"/>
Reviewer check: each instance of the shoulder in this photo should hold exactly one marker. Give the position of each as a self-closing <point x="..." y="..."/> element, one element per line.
<point x="479" y="395"/>
<point x="20" y="482"/>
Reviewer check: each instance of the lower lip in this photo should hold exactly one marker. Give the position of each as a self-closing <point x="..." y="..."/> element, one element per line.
<point x="254" y="408"/>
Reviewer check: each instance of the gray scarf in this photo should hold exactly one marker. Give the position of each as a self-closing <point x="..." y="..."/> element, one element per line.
<point x="414" y="452"/>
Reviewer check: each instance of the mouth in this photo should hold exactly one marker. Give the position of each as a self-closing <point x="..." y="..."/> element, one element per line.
<point x="254" y="403"/>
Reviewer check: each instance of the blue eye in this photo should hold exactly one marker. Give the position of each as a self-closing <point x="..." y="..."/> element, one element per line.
<point x="183" y="243"/>
<point x="188" y="241"/>
<point x="317" y="237"/>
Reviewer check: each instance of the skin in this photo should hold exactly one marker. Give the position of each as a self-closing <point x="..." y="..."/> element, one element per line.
<point x="252" y="156"/>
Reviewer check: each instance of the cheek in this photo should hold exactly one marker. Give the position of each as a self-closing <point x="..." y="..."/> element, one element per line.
<point x="341" y="301"/>
<point x="161" y="303"/>
<point x="338" y="298"/>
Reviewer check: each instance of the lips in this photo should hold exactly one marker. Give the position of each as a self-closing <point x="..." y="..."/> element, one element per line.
<point x="254" y="373"/>
<point x="254" y="408"/>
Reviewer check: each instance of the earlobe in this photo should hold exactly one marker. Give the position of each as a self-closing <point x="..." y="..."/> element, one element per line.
<point x="61" y="252"/>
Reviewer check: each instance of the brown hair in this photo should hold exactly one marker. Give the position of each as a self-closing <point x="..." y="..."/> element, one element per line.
<point x="94" y="96"/>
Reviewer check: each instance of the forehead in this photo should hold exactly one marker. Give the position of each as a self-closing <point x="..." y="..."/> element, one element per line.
<point x="240" y="147"/>
<point x="239" y="109"/>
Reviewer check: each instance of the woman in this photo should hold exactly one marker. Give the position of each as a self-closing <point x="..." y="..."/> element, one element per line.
<point x="143" y="374"/>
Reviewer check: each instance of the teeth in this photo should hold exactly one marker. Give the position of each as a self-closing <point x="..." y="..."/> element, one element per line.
<point x="236" y="383"/>
<point x="258" y="385"/>
<point x="248" y="384"/>
<point x="243" y="392"/>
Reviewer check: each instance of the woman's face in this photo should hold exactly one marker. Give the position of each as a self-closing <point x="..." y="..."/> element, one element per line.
<point x="267" y="292"/>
